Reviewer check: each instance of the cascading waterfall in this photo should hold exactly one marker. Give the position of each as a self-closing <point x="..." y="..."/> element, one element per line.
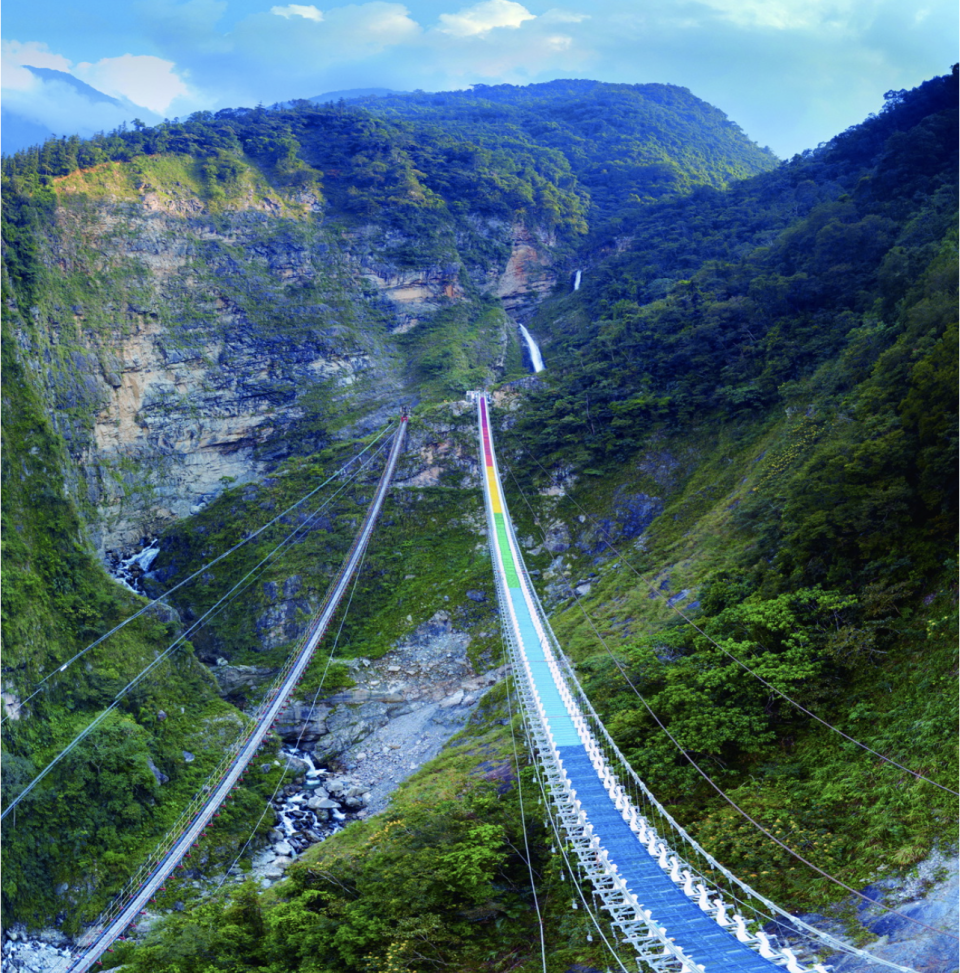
<point x="536" y="359"/>
<point x="576" y="280"/>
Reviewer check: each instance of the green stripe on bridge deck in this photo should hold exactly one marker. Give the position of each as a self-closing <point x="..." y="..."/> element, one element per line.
<point x="509" y="568"/>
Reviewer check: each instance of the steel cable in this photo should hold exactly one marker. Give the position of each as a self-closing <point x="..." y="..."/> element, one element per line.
<point x="717" y="788"/>
<point x="211" y="612"/>
<point x="198" y="572"/>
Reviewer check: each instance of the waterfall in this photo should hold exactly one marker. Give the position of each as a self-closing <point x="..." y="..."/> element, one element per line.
<point x="576" y="281"/>
<point x="536" y="359"/>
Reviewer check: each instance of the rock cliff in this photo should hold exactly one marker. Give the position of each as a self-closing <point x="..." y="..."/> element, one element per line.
<point x="187" y="342"/>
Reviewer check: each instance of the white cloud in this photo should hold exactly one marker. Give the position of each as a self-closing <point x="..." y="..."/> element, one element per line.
<point x="788" y="14"/>
<point x="484" y="17"/>
<point x="384" y="23"/>
<point x="142" y="78"/>
<point x="63" y="110"/>
<point x="16" y="77"/>
<point x="308" y="11"/>
<point x="557" y="16"/>
<point x="34" y="54"/>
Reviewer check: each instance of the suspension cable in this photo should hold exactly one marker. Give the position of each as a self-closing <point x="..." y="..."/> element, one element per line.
<point x="678" y="611"/>
<point x="316" y="696"/>
<point x="199" y="571"/>
<point x="526" y="841"/>
<point x="560" y="844"/>
<point x="218" y="605"/>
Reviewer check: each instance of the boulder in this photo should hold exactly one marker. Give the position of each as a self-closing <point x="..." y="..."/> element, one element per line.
<point x="234" y="679"/>
<point x="162" y="778"/>
<point x="302" y="723"/>
<point x="322" y="804"/>
<point x="454" y="700"/>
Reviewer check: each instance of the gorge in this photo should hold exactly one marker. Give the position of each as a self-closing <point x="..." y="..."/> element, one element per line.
<point x="749" y="416"/>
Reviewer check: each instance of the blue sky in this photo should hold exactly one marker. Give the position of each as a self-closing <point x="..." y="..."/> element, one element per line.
<point x="791" y="73"/>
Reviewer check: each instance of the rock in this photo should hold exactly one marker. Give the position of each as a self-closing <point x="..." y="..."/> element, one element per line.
<point x="188" y="757"/>
<point x="322" y="804"/>
<point x="455" y="700"/>
<point x="296" y="765"/>
<point x="477" y="596"/>
<point x="234" y="679"/>
<point x="283" y="848"/>
<point x="162" y="778"/>
<point x="302" y="723"/>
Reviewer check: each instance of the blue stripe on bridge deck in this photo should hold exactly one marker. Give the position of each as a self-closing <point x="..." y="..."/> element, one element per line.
<point x="700" y="936"/>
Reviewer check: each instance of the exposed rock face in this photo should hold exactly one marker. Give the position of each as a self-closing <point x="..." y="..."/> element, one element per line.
<point x="528" y="274"/>
<point x="401" y="711"/>
<point x="232" y="680"/>
<point x="929" y="898"/>
<point x="185" y="345"/>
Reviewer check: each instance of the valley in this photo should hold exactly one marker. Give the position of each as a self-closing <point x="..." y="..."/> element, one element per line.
<point x="747" y="415"/>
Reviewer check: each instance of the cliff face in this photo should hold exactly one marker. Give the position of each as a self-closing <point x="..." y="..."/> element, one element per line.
<point x="187" y="342"/>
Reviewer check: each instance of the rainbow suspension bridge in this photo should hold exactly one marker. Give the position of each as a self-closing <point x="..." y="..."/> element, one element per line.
<point x="648" y="874"/>
<point x="674" y="918"/>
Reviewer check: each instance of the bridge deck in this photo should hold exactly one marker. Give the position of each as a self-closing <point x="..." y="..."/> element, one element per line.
<point x="700" y="937"/>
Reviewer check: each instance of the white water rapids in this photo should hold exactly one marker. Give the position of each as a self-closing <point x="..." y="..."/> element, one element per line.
<point x="576" y="280"/>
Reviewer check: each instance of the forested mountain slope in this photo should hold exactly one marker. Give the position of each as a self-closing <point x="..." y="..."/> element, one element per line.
<point x="623" y="142"/>
<point x="752" y="398"/>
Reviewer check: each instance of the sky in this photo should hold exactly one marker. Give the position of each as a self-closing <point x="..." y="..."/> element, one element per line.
<point x="791" y="73"/>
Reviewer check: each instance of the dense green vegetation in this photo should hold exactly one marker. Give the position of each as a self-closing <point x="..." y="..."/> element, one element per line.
<point x="803" y="400"/>
<point x="74" y="838"/>
<point x="401" y="575"/>
<point x="774" y="361"/>
<point x="623" y="142"/>
<point x="438" y="881"/>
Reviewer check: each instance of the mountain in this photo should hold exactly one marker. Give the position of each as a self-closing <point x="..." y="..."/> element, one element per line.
<point x="64" y="105"/>
<point x="80" y="87"/>
<point x="20" y="132"/>
<point x="751" y="397"/>
<point x="622" y="141"/>
<point x="354" y="94"/>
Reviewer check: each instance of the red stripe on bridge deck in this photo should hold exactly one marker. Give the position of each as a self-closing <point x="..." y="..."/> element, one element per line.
<point x="487" y="454"/>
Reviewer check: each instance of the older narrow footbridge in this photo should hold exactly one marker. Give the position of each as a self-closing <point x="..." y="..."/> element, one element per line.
<point x="669" y="901"/>
<point x="178" y="845"/>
